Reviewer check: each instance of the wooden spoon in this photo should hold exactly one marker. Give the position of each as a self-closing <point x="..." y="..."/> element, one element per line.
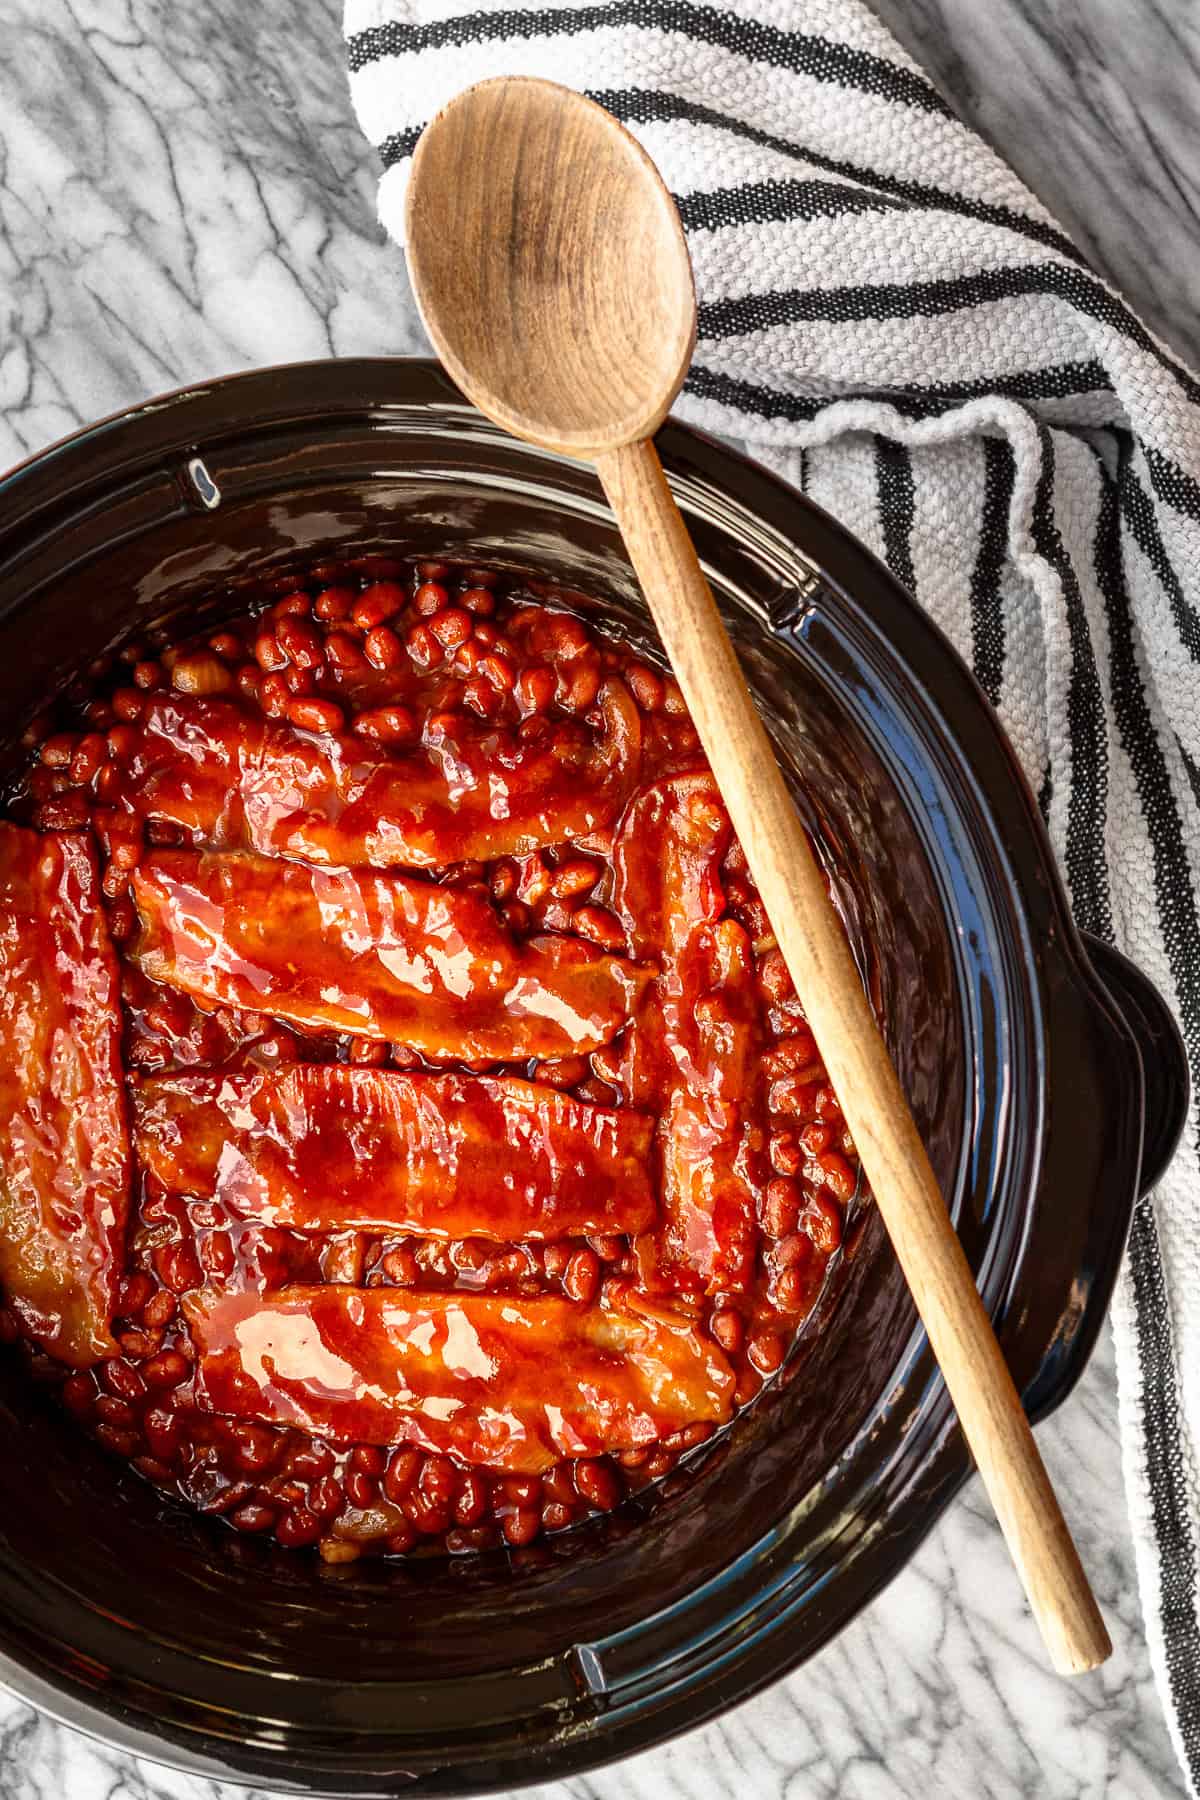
<point x="551" y="270"/>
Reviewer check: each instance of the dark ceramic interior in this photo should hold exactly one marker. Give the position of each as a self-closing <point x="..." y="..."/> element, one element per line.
<point x="134" y="1619"/>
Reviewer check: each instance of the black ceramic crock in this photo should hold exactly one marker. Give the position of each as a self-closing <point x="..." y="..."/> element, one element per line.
<point x="1045" y="1073"/>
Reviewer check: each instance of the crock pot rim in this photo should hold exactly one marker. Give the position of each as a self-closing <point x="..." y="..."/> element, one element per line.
<point x="72" y="467"/>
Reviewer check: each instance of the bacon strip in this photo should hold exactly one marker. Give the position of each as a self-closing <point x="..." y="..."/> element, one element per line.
<point x="324" y="1147"/>
<point x="695" y="1033"/>
<point x="381" y="955"/>
<point x="64" y="1147"/>
<point x="511" y="1384"/>
<point x="236" y="781"/>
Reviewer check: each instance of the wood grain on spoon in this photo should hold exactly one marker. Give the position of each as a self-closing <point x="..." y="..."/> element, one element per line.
<point x="552" y="273"/>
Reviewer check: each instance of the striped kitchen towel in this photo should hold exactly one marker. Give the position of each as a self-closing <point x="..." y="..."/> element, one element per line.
<point x="893" y="321"/>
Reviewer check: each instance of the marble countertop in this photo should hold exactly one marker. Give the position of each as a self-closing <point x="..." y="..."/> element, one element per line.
<point x="183" y="191"/>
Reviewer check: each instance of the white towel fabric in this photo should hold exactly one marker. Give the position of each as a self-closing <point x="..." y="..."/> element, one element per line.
<point x="895" y="323"/>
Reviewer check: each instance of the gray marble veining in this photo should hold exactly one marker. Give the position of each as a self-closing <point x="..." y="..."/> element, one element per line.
<point x="183" y="191"/>
<point x="1094" y="105"/>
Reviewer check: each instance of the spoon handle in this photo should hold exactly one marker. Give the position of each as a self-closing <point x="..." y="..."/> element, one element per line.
<point x="814" y="947"/>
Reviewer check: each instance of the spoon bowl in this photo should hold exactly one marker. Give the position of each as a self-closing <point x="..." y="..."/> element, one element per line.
<point x="569" y="316"/>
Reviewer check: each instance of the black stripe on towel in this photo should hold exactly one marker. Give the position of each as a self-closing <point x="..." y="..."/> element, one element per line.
<point x="842" y="65"/>
<point x="772" y="202"/>
<point x="400" y="144"/>
<point x="894" y="484"/>
<point x="648" y="106"/>
<point x="987" y="612"/>
<point x="1055" y="382"/>
<point x="1173" y="484"/>
<point x="1193" y="771"/>
<point x="1167" y="1480"/>
<point x="1137" y="509"/>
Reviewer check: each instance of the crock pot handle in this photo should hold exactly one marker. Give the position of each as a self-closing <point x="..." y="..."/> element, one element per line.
<point x="1081" y="1269"/>
<point x="1164" y="1058"/>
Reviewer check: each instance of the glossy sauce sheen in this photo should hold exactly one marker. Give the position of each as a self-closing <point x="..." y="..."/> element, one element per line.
<point x="697" y="1042"/>
<point x="514" y="1384"/>
<point x="64" y="1162"/>
<point x="381" y="955"/>
<point x="234" y="781"/>
<point x="483" y="1162"/>
<point x="326" y="1146"/>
